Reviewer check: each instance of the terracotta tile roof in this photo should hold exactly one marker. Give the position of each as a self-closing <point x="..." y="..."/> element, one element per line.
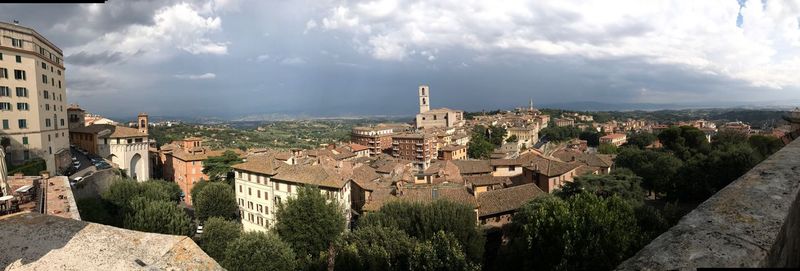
<point x="260" y="164"/>
<point x="589" y="159"/>
<point x="473" y="166"/>
<point x="201" y="153"/>
<point x="444" y="172"/>
<point x="507" y="199"/>
<point x="367" y="178"/>
<point x="311" y="174"/>
<point x="452" y="148"/>
<point x="423" y="194"/>
<point x="613" y="136"/>
<point x="547" y="166"/>
<point x="357" y="147"/>
<point x="487" y="179"/>
<point x="113" y="130"/>
<point x="504" y="162"/>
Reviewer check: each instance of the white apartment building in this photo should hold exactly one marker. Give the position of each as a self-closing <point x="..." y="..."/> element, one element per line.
<point x="263" y="183"/>
<point x="33" y="98"/>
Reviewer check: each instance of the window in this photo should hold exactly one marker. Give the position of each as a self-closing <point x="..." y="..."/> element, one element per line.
<point x="23" y="106"/>
<point x="24" y="140"/>
<point x="19" y="75"/>
<point x="1" y="56"/>
<point x="44" y="65"/>
<point x="240" y="188"/>
<point x="259" y="193"/>
<point x="512" y="168"/>
<point x="3" y="73"/>
<point x="26" y="155"/>
<point x="23" y="124"/>
<point x="47" y="122"/>
<point x="48" y="137"/>
<point x="5" y="106"/>
<point x="44" y="79"/>
<point x="5" y="91"/>
<point x="17" y="42"/>
<point x="277" y="200"/>
<point x="62" y="122"/>
<point x="249" y="191"/>
<point x="5" y="124"/>
<point x="59" y="71"/>
<point x="19" y="59"/>
<point x="22" y="92"/>
<point x="59" y="83"/>
<point x="47" y="107"/>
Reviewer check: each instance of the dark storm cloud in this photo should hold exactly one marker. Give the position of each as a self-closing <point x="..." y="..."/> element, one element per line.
<point x="87" y="59"/>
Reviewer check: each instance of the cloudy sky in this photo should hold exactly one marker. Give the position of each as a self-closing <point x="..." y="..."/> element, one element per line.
<point x="325" y="57"/>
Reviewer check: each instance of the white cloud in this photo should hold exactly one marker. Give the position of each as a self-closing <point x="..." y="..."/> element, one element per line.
<point x="697" y="35"/>
<point x="204" y="76"/>
<point x="311" y="24"/>
<point x="180" y="27"/>
<point x="293" y="61"/>
<point x="262" y="58"/>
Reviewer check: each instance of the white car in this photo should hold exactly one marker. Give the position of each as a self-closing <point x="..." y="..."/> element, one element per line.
<point x="78" y="179"/>
<point x="200" y="229"/>
<point x="74" y="159"/>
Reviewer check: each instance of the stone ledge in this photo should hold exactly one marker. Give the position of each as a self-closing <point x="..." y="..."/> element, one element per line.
<point x="753" y="222"/>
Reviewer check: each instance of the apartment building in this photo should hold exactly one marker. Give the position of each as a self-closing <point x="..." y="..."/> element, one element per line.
<point x="377" y="139"/>
<point x="32" y="98"/>
<point x="264" y="183"/>
<point x="614" y="139"/>
<point x="453" y="152"/>
<point x="417" y="147"/>
<point x="527" y="136"/>
<point x="182" y="162"/>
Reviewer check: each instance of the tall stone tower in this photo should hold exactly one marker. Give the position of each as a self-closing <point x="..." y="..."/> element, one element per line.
<point x="143" y="123"/>
<point x="424" y="98"/>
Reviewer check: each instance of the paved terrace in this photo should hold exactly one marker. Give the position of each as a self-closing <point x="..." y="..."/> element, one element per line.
<point x="753" y="222"/>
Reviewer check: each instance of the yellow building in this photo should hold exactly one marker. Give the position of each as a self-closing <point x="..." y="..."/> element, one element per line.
<point x="33" y="98"/>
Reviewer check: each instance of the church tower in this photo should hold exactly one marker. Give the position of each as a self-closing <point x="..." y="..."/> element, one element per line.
<point x="143" y="123"/>
<point x="424" y="99"/>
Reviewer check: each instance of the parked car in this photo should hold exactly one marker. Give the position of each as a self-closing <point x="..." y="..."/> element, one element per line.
<point x="78" y="179"/>
<point x="199" y="229"/>
<point x="74" y="159"/>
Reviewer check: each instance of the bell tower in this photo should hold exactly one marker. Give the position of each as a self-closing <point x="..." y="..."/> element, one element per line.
<point x="143" y="122"/>
<point x="424" y="98"/>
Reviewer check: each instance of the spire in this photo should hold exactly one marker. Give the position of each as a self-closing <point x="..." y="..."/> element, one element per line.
<point x="531" y="105"/>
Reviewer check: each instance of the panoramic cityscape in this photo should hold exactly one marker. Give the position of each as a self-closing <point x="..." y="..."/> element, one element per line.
<point x="399" y="135"/>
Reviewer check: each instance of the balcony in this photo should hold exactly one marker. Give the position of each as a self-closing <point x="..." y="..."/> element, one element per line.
<point x="753" y="222"/>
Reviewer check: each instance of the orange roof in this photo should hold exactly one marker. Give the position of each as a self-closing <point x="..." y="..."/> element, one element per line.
<point x="357" y="147"/>
<point x="614" y="136"/>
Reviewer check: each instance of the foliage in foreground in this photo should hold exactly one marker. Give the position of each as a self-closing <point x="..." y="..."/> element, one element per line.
<point x="308" y="222"/>
<point x="216" y="199"/>
<point x="259" y="251"/>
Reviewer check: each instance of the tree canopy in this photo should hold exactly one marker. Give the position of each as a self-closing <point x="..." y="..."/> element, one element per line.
<point x="217" y="234"/>
<point x="308" y="222"/>
<point x="218" y="168"/>
<point x="157" y="216"/>
<point x="584" y="232"/>
<point x="621" y="182"/>
<point x="259" y="251"/>
<point x="216" y="199"/>
<point x="556" y="134"/>
<point x="641" y="140"/>
<point x="422" y="221"/>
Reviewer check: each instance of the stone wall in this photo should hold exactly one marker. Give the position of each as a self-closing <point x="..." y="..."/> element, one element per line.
<point x="753" y="222"/>
<point x="94" y="185"/>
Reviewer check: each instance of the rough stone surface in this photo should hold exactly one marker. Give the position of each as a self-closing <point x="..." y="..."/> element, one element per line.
<point x="32" y="241"/>
<point x="753" y="222"/>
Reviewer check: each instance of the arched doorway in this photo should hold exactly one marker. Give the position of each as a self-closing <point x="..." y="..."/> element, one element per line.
<point x="134" y="166"/>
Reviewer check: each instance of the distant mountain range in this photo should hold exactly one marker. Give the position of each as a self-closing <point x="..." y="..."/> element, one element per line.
<point x="600" y="106"/>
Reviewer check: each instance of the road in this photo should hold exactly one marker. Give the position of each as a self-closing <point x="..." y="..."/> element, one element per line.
<point x="86" y="168"/>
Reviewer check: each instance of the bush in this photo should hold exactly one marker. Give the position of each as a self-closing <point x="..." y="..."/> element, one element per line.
<point x="259" y="251"/>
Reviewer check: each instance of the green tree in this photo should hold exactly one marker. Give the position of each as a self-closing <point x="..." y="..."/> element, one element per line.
<point x="441" y="252"/>
<point x="591" y="136"/>
<point x="218" y="168"/>
<point x="607" y="148"/>
<point x="217" y="234"/>
<point x="259" y="251"/>
<point x="704" y="175"/>
<point x="557" y="134"/>
<point x="496" y="135"/>
<point x="216" y="199"/>
<point x="375" y="248"/>
<point x="421" y="221"/>
<point x="657" y="169"/>
<point x="585" y="232"/>
<point x="157" y="216"/>
<point x="198" y="186"/>
<point x="641" y="140"/>
<point x="651" y="224"/>
<point x="512" y="138"/>
<point x="308" y="222"/>
<point x="479" y="148"/>
<point x="765" y="145"/>
<point x="621" y="182"/>
<point x="96" y="210"/>
<point x="684" y="141"/>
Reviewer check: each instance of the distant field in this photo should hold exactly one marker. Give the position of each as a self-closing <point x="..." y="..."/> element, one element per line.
<point x="304" y="134"/>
